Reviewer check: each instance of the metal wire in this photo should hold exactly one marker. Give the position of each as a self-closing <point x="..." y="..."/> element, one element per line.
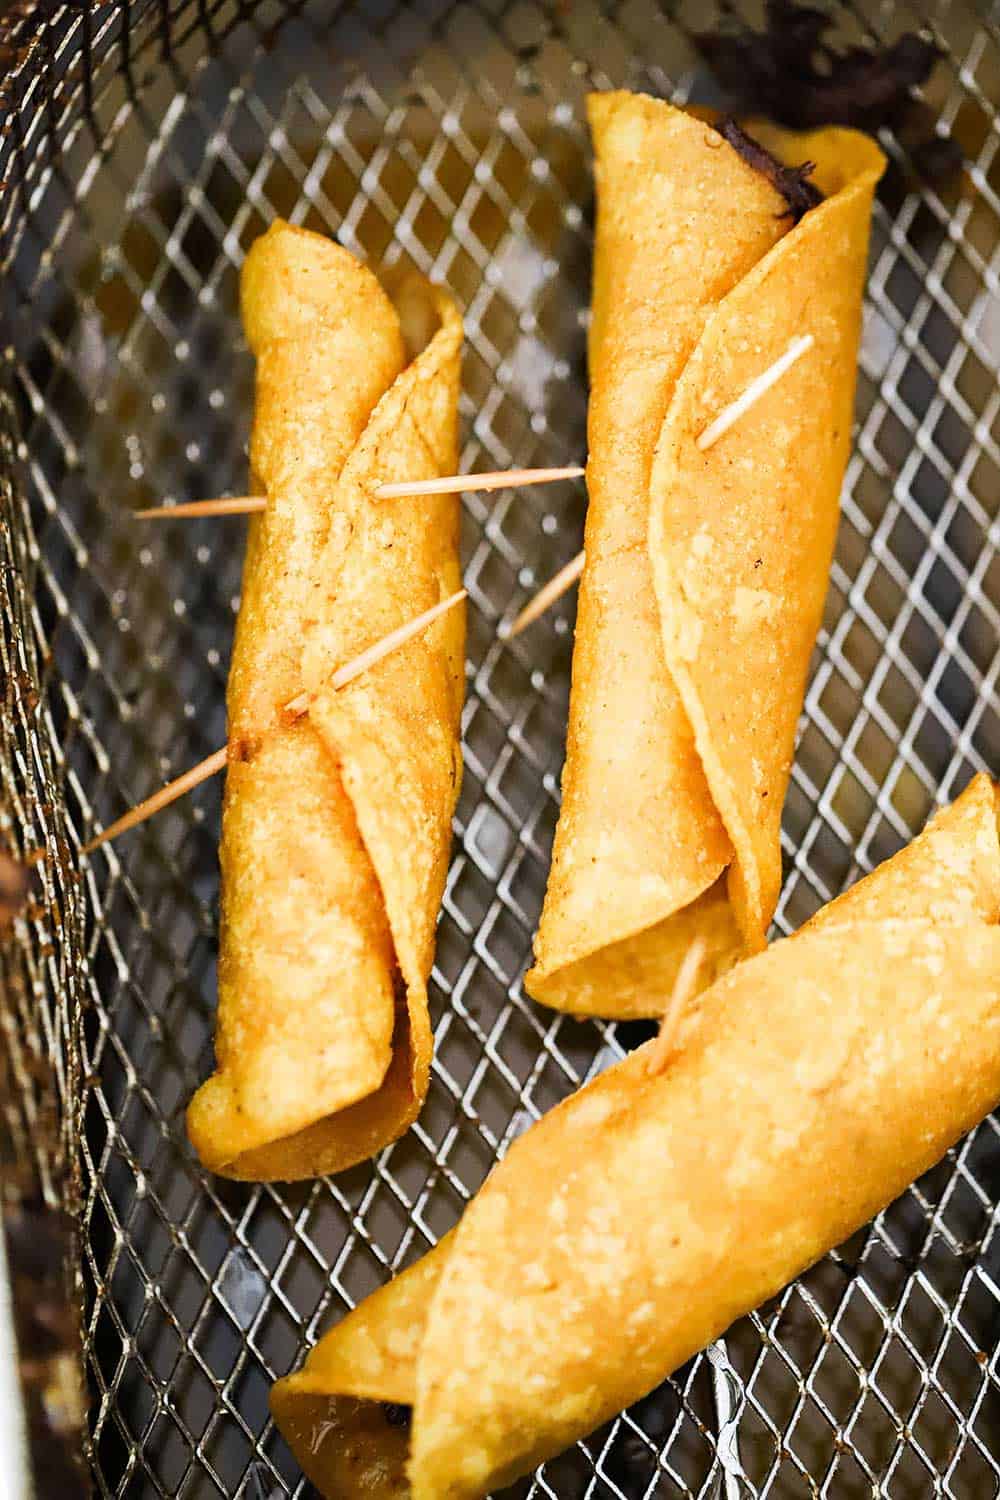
<point x="145" y="147"/>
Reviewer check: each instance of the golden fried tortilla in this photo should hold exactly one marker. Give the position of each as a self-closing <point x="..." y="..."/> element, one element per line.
<point x="336" y="828"/>
<point x="636" y="1221"/>
<point x="706" y="571"/>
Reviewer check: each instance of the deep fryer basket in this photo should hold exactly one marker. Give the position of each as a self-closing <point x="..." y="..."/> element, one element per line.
<point x="144" y="144"/>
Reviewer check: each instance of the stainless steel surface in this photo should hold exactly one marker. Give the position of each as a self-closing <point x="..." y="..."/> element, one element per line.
<point x="145" y="146"/>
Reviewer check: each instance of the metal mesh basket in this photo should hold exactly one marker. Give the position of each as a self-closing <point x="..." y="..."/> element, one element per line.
<point x="144" y="146"/>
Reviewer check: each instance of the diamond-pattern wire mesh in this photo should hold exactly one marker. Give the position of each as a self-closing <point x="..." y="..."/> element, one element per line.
<point x="451" y="135"/>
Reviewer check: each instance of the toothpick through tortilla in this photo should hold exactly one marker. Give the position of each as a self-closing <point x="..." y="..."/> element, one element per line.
<point x="449" y="484"/>
<point x="297" y="706"/>
<point x="685" y="985"/>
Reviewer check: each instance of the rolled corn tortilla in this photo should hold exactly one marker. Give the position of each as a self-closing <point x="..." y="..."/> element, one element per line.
<point x="706" y="570"/>
<point x="336" y="827"/>
<point x="636" y="1221"/>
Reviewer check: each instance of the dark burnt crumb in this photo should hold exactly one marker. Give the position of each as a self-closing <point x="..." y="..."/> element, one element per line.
<point x="396" y="1414"/>
<point x="790" y="73"/>
<point x="791" y="182"/>
<point x="13" y="888"/>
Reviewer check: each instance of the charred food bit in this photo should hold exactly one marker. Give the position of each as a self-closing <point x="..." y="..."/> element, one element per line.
<point x="790" y="73"/>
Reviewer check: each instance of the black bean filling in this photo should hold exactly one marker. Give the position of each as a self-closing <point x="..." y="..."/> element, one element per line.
<point x="791" y="182"/>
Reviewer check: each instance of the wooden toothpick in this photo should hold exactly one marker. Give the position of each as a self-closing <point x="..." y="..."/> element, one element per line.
<point x="546" y="596"/>
<point x="664" y="1047"/>
<point x="450" y="484"/>
<point x="227" y="505"/>
<point x="732" y="413"/>
<point x="294" y="709"/>
<point x="454" y="484"/>
<point x="163" y="798"/>
<point x="368" y="658"/>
